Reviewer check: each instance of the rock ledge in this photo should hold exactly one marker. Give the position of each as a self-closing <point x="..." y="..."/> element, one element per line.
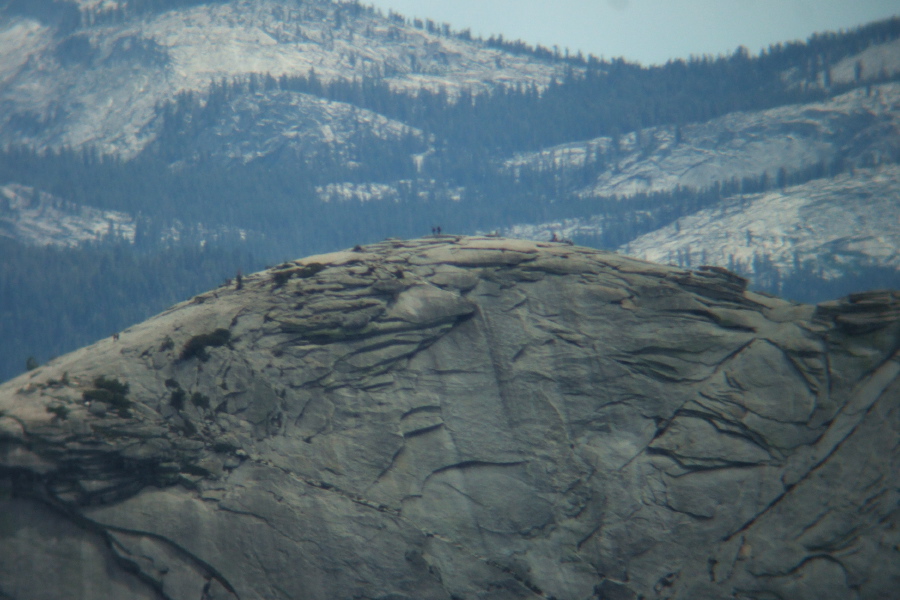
<point x="463" y="417"/>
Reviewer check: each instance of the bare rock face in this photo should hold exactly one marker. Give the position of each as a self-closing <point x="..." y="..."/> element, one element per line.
<point x="463" y="418"/>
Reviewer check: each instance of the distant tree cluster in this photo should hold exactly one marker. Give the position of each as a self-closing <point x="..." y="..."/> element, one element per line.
<point x="269" y="209"/>
<point x="197" y="345"/>
<point x="805" y="281"/>
<point x="603" y="98"/>
<point x="54" y="300"/>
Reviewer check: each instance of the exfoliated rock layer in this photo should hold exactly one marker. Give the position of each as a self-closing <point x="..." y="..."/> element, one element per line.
<point x="456" y="418"/>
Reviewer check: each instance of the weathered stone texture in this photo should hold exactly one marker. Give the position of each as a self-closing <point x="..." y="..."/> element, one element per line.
<point x="465" y="418"/>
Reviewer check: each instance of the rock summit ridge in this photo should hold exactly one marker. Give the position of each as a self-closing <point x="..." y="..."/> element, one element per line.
<point x="463" y="417"/>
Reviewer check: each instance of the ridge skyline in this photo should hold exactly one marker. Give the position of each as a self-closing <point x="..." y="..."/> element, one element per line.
<point x="614" y="28"/>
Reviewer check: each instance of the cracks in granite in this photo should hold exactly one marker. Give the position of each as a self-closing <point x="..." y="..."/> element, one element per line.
<point x="332" y="488"/>
<point x="397" y="515"/>
<point x="390" y="465"/>
<point x="692" y="465"/>
<point x="467" y="464"/>
<point x="423" y="430"/>
<point x="119" y="553"/>
<point x="719" y="414"/>
<point x="423" y="408"/>
<point x="740" y="430"/>
<point x="581" y="542"/>
<point x="811" y="470"/>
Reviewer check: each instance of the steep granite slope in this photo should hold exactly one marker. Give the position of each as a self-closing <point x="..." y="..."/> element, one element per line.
<point x="860" y="126"/>
<point x="102" y="85"/>
<point x="463" y="418"/>
<point x="37" y="218"/>
<point x="838" y="224"/>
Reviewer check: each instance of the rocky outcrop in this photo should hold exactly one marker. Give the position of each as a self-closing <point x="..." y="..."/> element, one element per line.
<point x="101" y="85"/>
<point x="37" y="218"/>
<point x="843" y="225"/>
<point x="463" y="418"/>
<point x="859" y="126"/>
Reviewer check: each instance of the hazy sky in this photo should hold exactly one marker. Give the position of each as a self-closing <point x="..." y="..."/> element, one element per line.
<point x="648" y="31"/>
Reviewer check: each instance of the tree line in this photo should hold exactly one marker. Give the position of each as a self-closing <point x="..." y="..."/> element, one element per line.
<point x="269" y="209"/>
<point x="54" y="300"/>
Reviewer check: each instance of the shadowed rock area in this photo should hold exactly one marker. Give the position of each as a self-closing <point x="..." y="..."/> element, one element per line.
<point x="461" y="418"/>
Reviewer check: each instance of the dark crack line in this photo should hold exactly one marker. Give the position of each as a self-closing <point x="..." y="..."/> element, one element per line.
<point x="419" y="409"/>
<point x="664" y="426"/>
<point x="390" y="466"/>
<point x="104" y="532"/>
<point x="870" y="504"/>
<point x="812" y="469"/>
<point x="745" y="433"/>
<point x="422" y="431"/>
<point x="325" y="486"/>
<point x="467" y="464"/>
<point x="819" y="556"/>
<point x="397" y="515"/>
<point x="591" y="534"/>
<point x="693" y="515"/>
<point x="652" y="370"/>
<point x="431" y="333"/>
<point x="818" y="519"/>
<point x="715" y="464"/>
<point x="500" y="376"/>
<point x="726" y="400"/>
<point x="181" y="550"/>
<point x="838" y="545"/>
<point x="812" y="384"/>
<point x="468" y="497"/>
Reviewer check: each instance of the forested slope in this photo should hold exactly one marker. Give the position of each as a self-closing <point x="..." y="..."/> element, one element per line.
<point x="309" y="126"/>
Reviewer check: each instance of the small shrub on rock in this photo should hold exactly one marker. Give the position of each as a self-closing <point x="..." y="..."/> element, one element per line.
<point x="281" y="277"/>
<point x="200" y="400"/>
<point x="112" y="392"/>
<point x="59" y="410"/>
<point x="309" y="270"/>
<point x="197" y="345"/>
<point x="189" y="428"/>
<point x="303" y="272"/>
<point x="177" y="399"/>
<point x="113" y="385"/>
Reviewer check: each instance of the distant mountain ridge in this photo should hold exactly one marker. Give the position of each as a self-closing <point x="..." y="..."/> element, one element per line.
<point x="99" y="84"/>
<point x="36" y="218"/>
<point x="271" y="128"/>
<point x="829" y="227"/>
<point x="99" y="87"/>
<point x="859" y="126"/>
<point x="804" y="152"/>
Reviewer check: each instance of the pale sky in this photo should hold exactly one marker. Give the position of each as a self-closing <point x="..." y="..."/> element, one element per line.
<point x="647" y="31"/>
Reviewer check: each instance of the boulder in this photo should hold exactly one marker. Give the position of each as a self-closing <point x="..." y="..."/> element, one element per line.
<point x="452" y="418"/>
